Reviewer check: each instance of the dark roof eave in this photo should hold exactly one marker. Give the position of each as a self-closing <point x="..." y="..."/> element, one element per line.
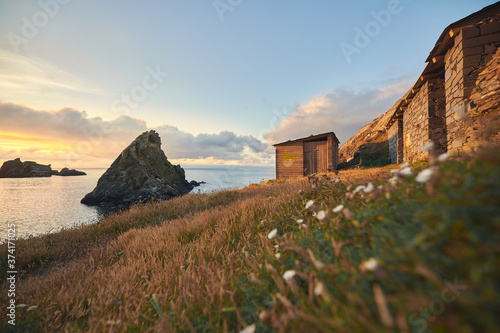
<point x="309" y="138"/>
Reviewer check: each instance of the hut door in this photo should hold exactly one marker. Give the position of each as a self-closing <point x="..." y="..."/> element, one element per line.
<point x="315" y="157"/>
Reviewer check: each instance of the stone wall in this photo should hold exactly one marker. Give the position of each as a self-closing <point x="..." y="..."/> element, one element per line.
<point x="415" y="132"/>
<point x="485" y="97"/>
<point x="436" y="121"/>
<point x="424" y="120"/>
<point x="482" y="126"/>
<point x="473" y="48"/>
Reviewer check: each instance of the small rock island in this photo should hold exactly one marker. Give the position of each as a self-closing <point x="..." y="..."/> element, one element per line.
<point x="141" y="172"/>
<point x="17" y="169"/>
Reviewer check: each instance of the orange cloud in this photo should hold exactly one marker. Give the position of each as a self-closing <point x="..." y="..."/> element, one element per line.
<point x="68" y="137"/>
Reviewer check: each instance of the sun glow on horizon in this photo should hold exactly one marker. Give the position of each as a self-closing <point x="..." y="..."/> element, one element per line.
<point x="40" y="143"/>
<point x="66" y="153"/>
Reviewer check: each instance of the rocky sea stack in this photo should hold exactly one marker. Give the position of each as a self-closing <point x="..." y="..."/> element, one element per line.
<point x="141" y="172"/>
<point x="69" y="172"/>
<point x="29" y="169"/>
<point x="17" y="169"/>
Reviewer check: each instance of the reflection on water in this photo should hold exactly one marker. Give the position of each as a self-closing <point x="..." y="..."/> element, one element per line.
<point x="41" y="205"/>
<point x="227" y="177"/>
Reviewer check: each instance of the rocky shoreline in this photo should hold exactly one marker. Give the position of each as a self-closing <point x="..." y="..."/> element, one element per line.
<point x="29" y="169"/>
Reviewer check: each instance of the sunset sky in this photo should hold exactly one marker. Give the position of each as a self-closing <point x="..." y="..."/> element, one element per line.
<point x="221" y="81"/>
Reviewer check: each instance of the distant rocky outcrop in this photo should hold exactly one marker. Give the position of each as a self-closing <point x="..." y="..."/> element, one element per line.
<point x="70" y="172"/>
<point x="140" y="173"/>
<point x="195" y="183"/>
<point x="17" y="169"/>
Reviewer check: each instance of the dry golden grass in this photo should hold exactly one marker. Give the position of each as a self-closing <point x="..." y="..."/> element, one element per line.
<point x="360" y="176"/>
<point x="205" y="263"/>
<point x="185" y="261"/>
<point x="181" y="254"/>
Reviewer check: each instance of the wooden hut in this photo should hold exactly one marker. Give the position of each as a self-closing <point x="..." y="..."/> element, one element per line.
<point x="300" y="157"/>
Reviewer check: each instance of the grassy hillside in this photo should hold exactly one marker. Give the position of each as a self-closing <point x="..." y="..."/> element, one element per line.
<point x="401" y="255"/>
<point x="368" y="147"/>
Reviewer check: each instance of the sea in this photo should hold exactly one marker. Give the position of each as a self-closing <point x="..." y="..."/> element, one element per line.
<point x="38" y="206"/>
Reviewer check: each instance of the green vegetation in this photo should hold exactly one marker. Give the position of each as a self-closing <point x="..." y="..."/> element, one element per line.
<point x="401" y="255"/>
<point x="372" y="154"/>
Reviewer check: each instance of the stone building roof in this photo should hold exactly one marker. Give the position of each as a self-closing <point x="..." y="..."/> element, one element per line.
<point x="435" y="60"/>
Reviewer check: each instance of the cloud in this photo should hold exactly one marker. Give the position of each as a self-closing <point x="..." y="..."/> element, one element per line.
<point x="398" y="90"/>
<point x="28" y="77"/>
<point x="342" y="111"/>
<point x="66" y="124"/>
<point x="71" y="135"/>
<point x="224" y="146"/>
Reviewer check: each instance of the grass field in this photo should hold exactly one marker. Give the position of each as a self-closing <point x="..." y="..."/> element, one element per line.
<point x="411" y="252"/>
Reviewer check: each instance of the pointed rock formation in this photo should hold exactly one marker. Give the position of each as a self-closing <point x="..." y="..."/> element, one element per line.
<point x="141" y="172"/>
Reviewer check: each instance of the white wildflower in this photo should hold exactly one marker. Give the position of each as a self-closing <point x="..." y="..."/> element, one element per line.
<point x="113" y="322"/>
<point x="278" y="255"/>
<point x="289" y="274"/>
<point x="380" y="187"/>
<point x="424" y="176"/>
<point x="300" y="221"/>
<point x="338" y="208"/>
<point x="321" y="215"/>
<point x="318" y="264"/>
<point x="429" y="145"/>
<point x="272" y="234"/>
<point x="370" y="264"/>
<point x="319" y="289"/>
<point x="31" y="308"/>
<point x="443" y="157"/>
<point x="393" y="180"/>
<point x="406" y="172"/>
<point x="249" y="329"/>
<point x="359" y="188"/>
<point x="309" y="204"/>
<point x="404" y="165"/>
<point x="276" y="246"/>
<point x="369" y="188"/>
<point x="337" y="180"/>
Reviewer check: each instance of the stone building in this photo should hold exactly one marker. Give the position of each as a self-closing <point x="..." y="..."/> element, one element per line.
<point x="438" y="106"/>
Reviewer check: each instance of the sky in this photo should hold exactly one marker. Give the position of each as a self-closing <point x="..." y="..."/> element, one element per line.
<point x="220" y="80"/>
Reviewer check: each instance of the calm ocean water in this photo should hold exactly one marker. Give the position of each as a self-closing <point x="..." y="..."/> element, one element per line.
<point x="42" y="205"/>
